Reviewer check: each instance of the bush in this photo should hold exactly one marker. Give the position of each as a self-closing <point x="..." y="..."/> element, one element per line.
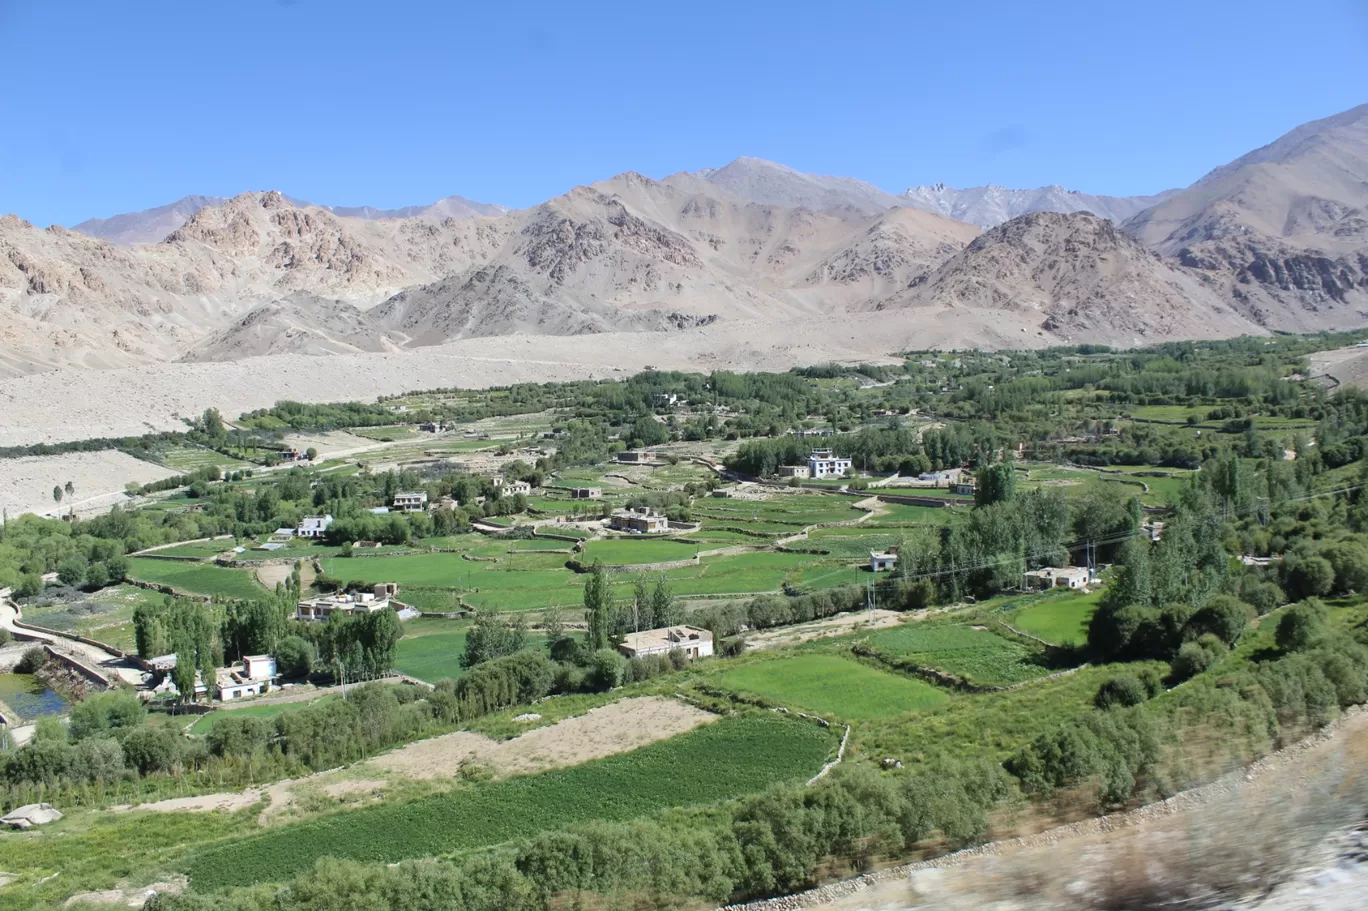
<point x="239" y="735"/>
<point x="1303" y="627"/>
<point x="1265" y="597"/>
<point x="1123" y="690"/>
<point x="150" y="749"/>
<point x="1190" y="661"/>
<point x="605" y="670"/>
<point x="1224" y="616"/>
<point x="294" y="656"/>
<point x="32" y="660"/>
<point x="733" y="647"/>
<point x="104" y="713"/>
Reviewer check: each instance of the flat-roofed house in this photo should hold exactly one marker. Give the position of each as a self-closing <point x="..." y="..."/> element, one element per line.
<point x="643" y="521"/>
<point x="410" y="500"/>
<point x="313" y="526"/>
<point x="691" y="640"/>
<point x="1074" y="577"/>
<point x="382" y="598"/>
<point x="823" y="463"/>
<point x="586" y="493"/>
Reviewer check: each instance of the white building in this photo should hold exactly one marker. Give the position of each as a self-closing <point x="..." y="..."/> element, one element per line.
<point x="586" y="493"/>
<point x="512" y="488"/>
<point x="645" y="521"/>
<point x="1075" y="577"/>
<point x="825" y="464"/>
<point x="692" y="641"/>
<point x="314" y="526"/>
<point x="879" y="562"/>
<point x="410" y="500"/>
<point x="356" y="603"/>
<point x="792" y="471"/>
<point x="256" y="674"/>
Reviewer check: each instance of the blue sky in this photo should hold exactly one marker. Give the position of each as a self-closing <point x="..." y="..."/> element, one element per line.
<point x="112" y="107"/>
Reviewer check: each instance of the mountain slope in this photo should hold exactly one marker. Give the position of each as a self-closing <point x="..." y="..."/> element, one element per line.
<point x="992" y="205"/>
<point x="771" y="184"/>
<point x="152" y="225"/>
<point x="1074" y="277"/>
<point x="296" y="324"/>
<point x="1309" y="187"/>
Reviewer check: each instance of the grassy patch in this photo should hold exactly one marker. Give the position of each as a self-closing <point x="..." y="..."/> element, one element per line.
<point x="977" y="655"/>
<point x="206" y="723"/>
<point x="1062" y="621"/>
<point x="626" y="551"/>
<point x="431" y="649"/>
<point x="197" y="578"/>
<point x="716" y="762"/>
<point x="832" y="686"/>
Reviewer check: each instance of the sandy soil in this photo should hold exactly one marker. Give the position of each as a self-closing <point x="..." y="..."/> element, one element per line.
<point x="131" y="897"/>
<point x="99" y="478"/>
<point x="204" y="803"/>
<point x="820" y="629"/>
<point x="614" y="728"/>
<point x="1347" y="365"/>
<point x="72" y="404"/>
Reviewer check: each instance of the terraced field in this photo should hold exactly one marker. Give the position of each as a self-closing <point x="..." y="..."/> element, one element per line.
<point x="626" y="551"/>
<point x="196" y="578"/>
<point x="718" y="761"/>
<point x="974" y="654"/>
<point x="831" y="685"/>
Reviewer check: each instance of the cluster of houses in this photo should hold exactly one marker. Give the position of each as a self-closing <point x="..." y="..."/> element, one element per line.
<point x="254" y="675"/>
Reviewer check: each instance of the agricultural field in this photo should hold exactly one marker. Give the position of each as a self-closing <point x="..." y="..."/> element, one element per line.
<point x="205" y="723"/>
<point x="196" y="578"/>
<point x="849" y="543"/>
<point x="391" y="434"/>
<point x="783" y="510"/>
<point x="1062" y="620"/>
<point x="432" y="648"/>
<point x="726" y="759"/>
<point x="626" y="551"/>
<point x="900" y="514"/>
<point x="977" y="655"/>
<point x="189" y="457"/>
<point x="832" y="685"/>
<point x="200" y="549"/>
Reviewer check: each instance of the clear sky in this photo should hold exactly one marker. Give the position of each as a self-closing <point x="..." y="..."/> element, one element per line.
<point x="116" y="106"/>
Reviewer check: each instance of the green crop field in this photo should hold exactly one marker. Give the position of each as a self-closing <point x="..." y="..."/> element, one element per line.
<point x="432" y="648"/>
<point x="196" y="578"/>
<point x="832" y="686"/>
<point x="206" y="723"/>
<point x="188" y="458"/>
<point x="385" y="434"/>
<point x="977" y="655"/>
<point x="436" y="570"/>
<point x="1063" y="621"/>
<point x="849" y="543"/>
<point x="626" y="551"/>
<point x="719" y="761"/>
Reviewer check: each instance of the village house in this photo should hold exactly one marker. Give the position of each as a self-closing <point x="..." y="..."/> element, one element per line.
<point x="641" y="521"/>
<point x="410" y="501"/>
<point x="512" y="488"/>
<point x="586" y="493"/>
<point x="664" y="399"/>
<point x="823" y="463"/>
<point x="792" y="471"/>
<point x="1075" y="577"/>
<point x="430" y="427"/>
<point x="963" y="488"/>
<point x="638" y="456"/>
<point x="946" y="476"/>
<point x="384" y="596"/>
<point x="692" y="641"/>
<point x="254" y="675"/>
<point x="882" y="561"/>
<point x="313" y="526"/>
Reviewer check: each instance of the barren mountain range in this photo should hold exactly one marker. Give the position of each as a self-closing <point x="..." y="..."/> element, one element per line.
<point x="1276" y="240"/>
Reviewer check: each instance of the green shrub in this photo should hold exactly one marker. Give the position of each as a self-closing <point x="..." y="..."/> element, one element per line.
<point x="1122" y="690"/>
<point x="1303" y="627"/>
